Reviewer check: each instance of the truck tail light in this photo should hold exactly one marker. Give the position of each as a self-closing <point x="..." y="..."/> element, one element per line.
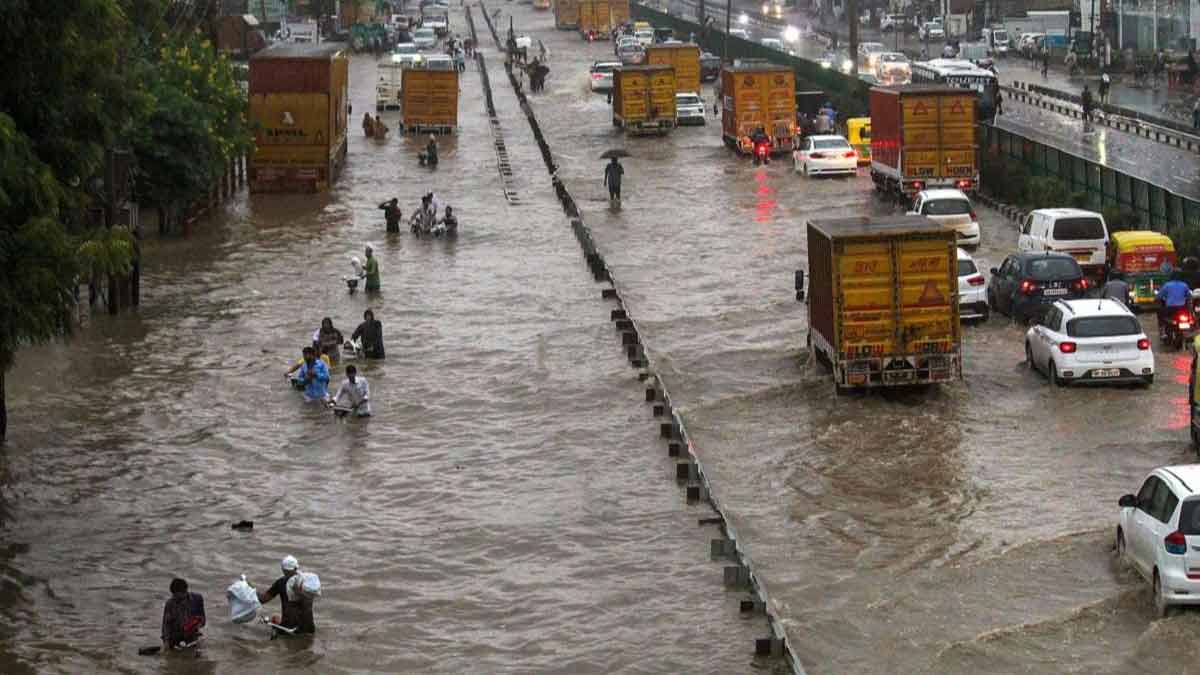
<point x="1027" y="286"/>
<point x="976" y="280"/>
<point x="1066" y="347"/>
<point x="1144" y="344"/>
<point x="1175" y="543"/>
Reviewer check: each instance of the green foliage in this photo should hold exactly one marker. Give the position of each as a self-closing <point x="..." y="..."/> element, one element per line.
<point x="1046" y="192"/>
<point x="1120" y="218"/>
<point x="37" y="261"/>
<point x="195" y="124"/>
<point x="1004" y="179"/>
<point x="1187" y="239"/>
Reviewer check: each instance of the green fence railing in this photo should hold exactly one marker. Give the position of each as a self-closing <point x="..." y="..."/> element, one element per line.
<point x="1155" y="206"/>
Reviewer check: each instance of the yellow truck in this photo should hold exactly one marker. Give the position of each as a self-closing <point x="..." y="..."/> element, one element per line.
<point x="643" y="99"/>
<point x="299" y="109"/>
<point x="566" y="14"/>
<point x="755" y="93"/>
<point x="595" y="18"/>
<point x="685" y="58"/>
<point x="429" y="100"/>
<point x="883" y="300"/>
<point x="923" y="137"/>
<point x="618" y="12"/>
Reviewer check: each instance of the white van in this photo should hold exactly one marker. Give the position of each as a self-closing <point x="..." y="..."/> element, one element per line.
<point x="1080" y="233"/>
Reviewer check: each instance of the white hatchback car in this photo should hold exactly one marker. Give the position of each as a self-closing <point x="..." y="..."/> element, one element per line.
<point x="1090" y="341"/>
<point x="949" y="207"/>
<point x="1158" y="534"/>
<point x="689" y="108"/>
<point x="825" y="156"/>
<point x="424" y="38"/>
<point x="972" y="289"/>
<point x="601" y="75"/>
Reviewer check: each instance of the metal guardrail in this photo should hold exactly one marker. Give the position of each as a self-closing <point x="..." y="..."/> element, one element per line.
<point x="1156" y="206"/>
<point x="1115" y="117"/>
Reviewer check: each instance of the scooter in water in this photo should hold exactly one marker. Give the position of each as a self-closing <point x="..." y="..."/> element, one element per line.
<point x="762" y="153"/>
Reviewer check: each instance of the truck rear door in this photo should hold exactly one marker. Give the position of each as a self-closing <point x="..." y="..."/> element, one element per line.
<point x="662" y="95"/>
<point x="957" y="113"/>
<point x="926" y="321"/>
<point x="634" y="102"/>
<point x="867" y="313"/>
<point x="781" y="104"/>
<point x="920" y="135"/>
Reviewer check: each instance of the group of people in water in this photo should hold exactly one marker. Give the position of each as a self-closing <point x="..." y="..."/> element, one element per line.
<point x="374" y="127"/>
<point x="424" y="220"/>
<point x="184" y="615"/>
<point x="311" y="374"/>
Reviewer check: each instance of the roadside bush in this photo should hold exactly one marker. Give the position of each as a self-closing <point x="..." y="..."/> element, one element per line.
<point x="1003" y="179"/>
<point x="1081" y="200"/>
<point x="1120" y="218"/>
<point x="1046" y="192"/>
<point x="1187" y="239"/>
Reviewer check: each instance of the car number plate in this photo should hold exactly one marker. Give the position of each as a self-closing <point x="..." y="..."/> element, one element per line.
<point x="1106" y="372"/>
<point x="1054" y="291"/>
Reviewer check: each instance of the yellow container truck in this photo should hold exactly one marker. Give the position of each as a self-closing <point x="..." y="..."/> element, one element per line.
<point x="685" y="58"/>
<point x="429" y="100"/>
<point x="883" y="300"/>
<point x="644" y="99"/>
<point x="566" y="14"/>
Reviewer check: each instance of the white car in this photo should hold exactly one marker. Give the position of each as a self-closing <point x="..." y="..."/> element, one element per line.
<point x="893" y="68"/>
<point x="406" y="54"/>
<point x="972" y="289"/>
<point x="932" y="31"/>
<point x="1089" y="341"/>
<point x="739" y="33"/>
<point x="950" y="207"/>
<point x="601" y="75"/>
<point x="631" y="54"/>
<point x="868" y="53"/>
<point x="825" y="156"/>
<point x="623" y="41"/>
<point x="689" y="108"/>
<point x="645" y="36"/>
<point x="438" y="22"/>
<point x="424" y="38"/>
<point x="1158" y="534"/>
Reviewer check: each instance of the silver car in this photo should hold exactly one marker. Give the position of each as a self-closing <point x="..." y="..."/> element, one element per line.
<point x="689" y="109"/>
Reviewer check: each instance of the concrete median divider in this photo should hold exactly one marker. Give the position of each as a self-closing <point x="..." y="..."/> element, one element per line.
<point x="689" y="471"/>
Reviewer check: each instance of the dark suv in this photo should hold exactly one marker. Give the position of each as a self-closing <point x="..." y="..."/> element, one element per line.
<point x="710" y="67"/>
<point x="1027" y="283"/>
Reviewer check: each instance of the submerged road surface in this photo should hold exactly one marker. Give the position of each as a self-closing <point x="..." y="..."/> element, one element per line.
<point x="964" y="528"/>
<point x="509" y="508"/>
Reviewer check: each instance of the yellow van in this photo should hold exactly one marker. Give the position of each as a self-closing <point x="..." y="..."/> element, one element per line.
<point x="858" y="132"/>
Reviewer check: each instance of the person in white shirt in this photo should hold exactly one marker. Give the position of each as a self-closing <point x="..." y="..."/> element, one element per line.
<point x="354" y="396"/>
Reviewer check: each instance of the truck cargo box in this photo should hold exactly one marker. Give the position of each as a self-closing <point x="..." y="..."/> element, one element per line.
<point x="758" y="93"/>
<point x="685" y="58"/>
<point x="595" y="16"/>
<point x="883" y="300"/>
<point x="429" y="100"/>
<point x="618" y="12"/>
<point x="566" y="14"/>
<point x="299" y="108"/>
<point x="644" y="99"/>
<point x="924" y="137"/>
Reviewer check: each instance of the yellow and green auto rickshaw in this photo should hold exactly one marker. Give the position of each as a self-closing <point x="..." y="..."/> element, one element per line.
<point x="1146" y="259"/>
<point x="858" y="132"/>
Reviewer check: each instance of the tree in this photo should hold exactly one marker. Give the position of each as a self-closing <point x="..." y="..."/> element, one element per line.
<point x="195" y="125"/>
<point x="37" y="259"/>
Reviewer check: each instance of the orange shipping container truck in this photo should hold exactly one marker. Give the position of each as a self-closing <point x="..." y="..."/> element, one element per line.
<point x="299" y="109"/>
<point x="924" y="136"/>
<point x="883" y="300"/>
<point x="429" y="100"/>
<point x="758" y="93"/>
<point x="644" y="99"/>
<point x="685" y="58"/>
<point x="566" y="14"/>
<point x="618" y="12"/>
<point x="595" y="16"/>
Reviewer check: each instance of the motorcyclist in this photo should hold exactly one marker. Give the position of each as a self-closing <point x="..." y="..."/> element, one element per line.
<point x="1172" y="296"/>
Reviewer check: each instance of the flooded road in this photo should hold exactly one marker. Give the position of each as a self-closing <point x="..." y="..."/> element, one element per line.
<point x="508" y="508"/>
<point x="962" y="528"/>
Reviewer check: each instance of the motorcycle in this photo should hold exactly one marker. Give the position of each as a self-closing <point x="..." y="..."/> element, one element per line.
<point x="762" y="153"/>
<point x="1179" y="326"/>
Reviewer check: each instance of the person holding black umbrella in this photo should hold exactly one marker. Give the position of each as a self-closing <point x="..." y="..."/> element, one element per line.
<point x="612" y="178"/>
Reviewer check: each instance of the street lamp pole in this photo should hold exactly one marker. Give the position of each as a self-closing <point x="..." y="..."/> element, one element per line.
<point x="725" y="41"/>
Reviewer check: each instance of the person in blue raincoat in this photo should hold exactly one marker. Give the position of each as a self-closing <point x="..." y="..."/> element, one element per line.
<point x="315" y="376"/>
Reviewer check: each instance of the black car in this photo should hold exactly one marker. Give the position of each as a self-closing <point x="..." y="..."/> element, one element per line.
<point x="1027" y="283"/>
<point x="710" y="67"/>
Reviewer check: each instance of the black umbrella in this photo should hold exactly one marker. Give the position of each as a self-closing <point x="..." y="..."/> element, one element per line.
<point x="615" y="152"/>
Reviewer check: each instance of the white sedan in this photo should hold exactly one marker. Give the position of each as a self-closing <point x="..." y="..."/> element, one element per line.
<point x="825" y="155"/>
<point x="424" y="38"/>
<point x="689" y="108"/>
<point x="972" y="289"/>
<point x="1091" y="341"/>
